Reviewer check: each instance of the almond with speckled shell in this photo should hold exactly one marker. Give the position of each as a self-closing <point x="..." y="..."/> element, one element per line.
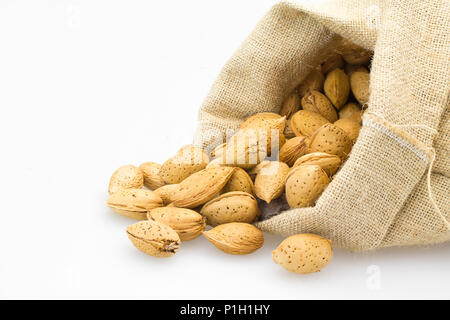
<point x="166" y="192"/>
<point x="329" y="163"/>
<point x="235" y="238"/>
<point x="230" y="207"/>
<point x="304" y="185"/>
<point x="154" y="238"/>
<point x="334" y="61"/>
<point x="350" y="127"/>
<point x="331" y="139"/>
<point x="351" y="111"/>
<point x="189" y="224"/>
<point x="201" y="187"/>
<point x="126" y="177"/>
<point x="239" y="181"/>
<point x="337" y="87"/>
<point x="152" y="180"/>
<point x="187" y="161"/>
<point x="305" y="123"/>
<point x="317" y="102"/>
<point x="360" y="85"/>
<point x="303" y="253"/>
<point x="133" y="203"/>
<point x="294" y="149"/>
<point x="291" y="105"/>
<point x="270" y="180"/>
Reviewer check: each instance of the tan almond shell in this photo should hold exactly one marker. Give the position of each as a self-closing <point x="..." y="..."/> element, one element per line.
<point x="288" y="133"/>
<point x="265" y="126"/>
<point x="360" y="85"/>
<point x="337" y="87"/>
<point x="333" y="62"/>
<point x="291" y="105"/>
<point x="166" y="193"/>
<point x="152" y="180"/>
<point x="133" y="203"/>
<point x="189" y="224"/>
<point x="243" y="150"/>
<point x="188" y="161"/>
<point x="154" y="238"/>
<point x="354" y="54"/>
<point x="303" y="253"/>
<point x="201" y="187"/>
<point x="317" y="102"/>
<point x="351" y="111"/>
<point x="230" y="207"/>
<point x="126" y="177"/>
<point x="239" y="181"/>
<point x="313" y="81"/>
<point x="270" y="180"/>
<point x="235" y="238"/>
<point x="350" y="127"/>
<point x="293" y="149"/>
<point x="218" y="151"/>
<point x="305" y="123"/>
<point x="304" y="185"/>
<point x="331" y="139"/>
<point x="350" y="68"/>
<point x="329" y="163"/>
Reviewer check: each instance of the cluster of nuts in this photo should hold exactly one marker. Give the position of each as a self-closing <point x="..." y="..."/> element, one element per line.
<point x="291" y="155"/>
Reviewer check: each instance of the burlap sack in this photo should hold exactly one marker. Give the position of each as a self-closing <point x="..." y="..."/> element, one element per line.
<point x="380" y="197"/>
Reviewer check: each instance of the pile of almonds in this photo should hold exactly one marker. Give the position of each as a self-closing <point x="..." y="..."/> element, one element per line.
<point x="290" y="157"/>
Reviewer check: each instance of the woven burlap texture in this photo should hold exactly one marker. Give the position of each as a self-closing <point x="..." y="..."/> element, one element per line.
<point x="380" y="197"/>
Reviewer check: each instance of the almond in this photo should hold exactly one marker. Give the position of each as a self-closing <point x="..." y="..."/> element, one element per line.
<point x="288" y="133"/>
<point x="201" y="187"/>
<point x="329" y="163"/>
<point x="337" y="87"/>
<point x="126" y="177"/>
<point x="314" y="81"/>
<point x="294" y="149"/>
<point x="154" y="238"/>
<point x="360" y="84"/>
<point x="354" y="54"/>
<point x="305" y="123"/>
<point x="303" y="253"/>
<point x="133" y="203"/>
<point x="333" y="62"/>
<point x="187" y="223"/>
<point x="270" y="180"/>
<point x="188" y="160"/>
<point x="350" y="127"/>
<point x="218" y="151"/>
<point x="350" y="68"/>
<point x="317" y="102"/>
<point x="231" y="207"/>
<point x="351" y="111"/>
<point x="304" y="185"/>
<point x="166" y="193"/>
<point x="152" y="180"/>
<point x="239" y="181"/>
<point x="291" y="105"/>
<point x="331" y="139"/>
<point x="235" y="238"/>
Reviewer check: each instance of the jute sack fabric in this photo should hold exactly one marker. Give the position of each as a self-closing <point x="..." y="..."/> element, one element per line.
<point x="394" y="188"/>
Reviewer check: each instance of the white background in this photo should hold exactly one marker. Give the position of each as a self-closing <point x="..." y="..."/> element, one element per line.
<point x="88" y="86"/>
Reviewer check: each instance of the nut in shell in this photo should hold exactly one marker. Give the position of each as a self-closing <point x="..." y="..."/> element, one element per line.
<point x="126" y="177"/>
<point x="231" y="207"/>
<point x="331" y="139"/>
<point x="133" y="203"/>
<point x="291" y="105"/>
<point x="305" y="123"/>
<point x="329" y="163"/>
<point x="235" y="238"/>
<point x="152" y="180"/>
<point x="317" y="102"/>
<point x="270" y="180"/>
<point x="351" y="111"/>
<point x="201" y="187"/>
<point x="154" y="238"/>
<point x="360" y="85"/>
<point x="189" y="224"/>
<point x="188" y="160"/>
<point x="294" y="149"/>
<point x="303" y="253"/>
<point x="350" y="127"/>
<point x="334" y="61"/>
<point x="166" y="192"/>
<point x="337" y="87"/>
<point x="239" y="181"/>
<point x="305" y="185"/>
